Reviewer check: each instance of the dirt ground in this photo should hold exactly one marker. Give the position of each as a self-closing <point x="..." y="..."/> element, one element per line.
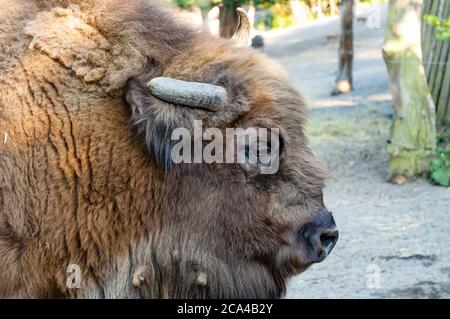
<point x="394" y="240"/>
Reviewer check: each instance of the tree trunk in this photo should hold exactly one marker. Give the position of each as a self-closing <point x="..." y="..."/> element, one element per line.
<point x="413" y="133"/>
<point x="344" y="80"/>
<point x="319" y="9"/>
<point x="333" y="7"/>
<point x="251" y="13"/>
<point x="205" y="21"/>
<point x="228" y="19"/>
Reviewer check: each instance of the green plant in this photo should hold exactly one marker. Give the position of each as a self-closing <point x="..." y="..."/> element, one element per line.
<point x="440" y="167"/>
<point x="282" y="16"/>
<point x="184" y="4"/>
<point x="442" y="26"/>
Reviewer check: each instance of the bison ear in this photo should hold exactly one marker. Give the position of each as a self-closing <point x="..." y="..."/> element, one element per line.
<point x="242" y="33"/>
<point x="153" y="121"/>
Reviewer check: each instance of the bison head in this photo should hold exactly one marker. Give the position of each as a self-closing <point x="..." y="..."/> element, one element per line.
<point x="229" y="230"/>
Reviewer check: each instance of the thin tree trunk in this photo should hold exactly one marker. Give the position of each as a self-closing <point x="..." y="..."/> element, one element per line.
<point x="251" y="13"/>
<point x="344" y="80"/>
<point x="228" y="20"/>
<point x="205" y="22"/>
<point x="413" y="133"/>
<point x="319" y="9"/>
<point x="333" y="7"/>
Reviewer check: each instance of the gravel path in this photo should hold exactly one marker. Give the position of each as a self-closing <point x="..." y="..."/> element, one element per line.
<point x="394" y="240"/>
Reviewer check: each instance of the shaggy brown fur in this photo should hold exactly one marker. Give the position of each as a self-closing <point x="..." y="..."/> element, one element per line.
<point x="77" y="187"/>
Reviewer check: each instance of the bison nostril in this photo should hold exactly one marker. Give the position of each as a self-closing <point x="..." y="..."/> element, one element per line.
<point x="328" y="240"/>
<point x="319" y="236"/>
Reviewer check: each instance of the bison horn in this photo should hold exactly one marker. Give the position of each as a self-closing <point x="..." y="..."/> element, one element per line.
<point x="242" y="33"/>
<point x="198" y="95"/>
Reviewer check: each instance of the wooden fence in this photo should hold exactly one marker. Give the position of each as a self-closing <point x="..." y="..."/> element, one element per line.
<point x="436" y="58"/>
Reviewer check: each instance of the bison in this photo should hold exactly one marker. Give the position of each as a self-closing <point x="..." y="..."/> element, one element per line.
<point x="87" y="184"/>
